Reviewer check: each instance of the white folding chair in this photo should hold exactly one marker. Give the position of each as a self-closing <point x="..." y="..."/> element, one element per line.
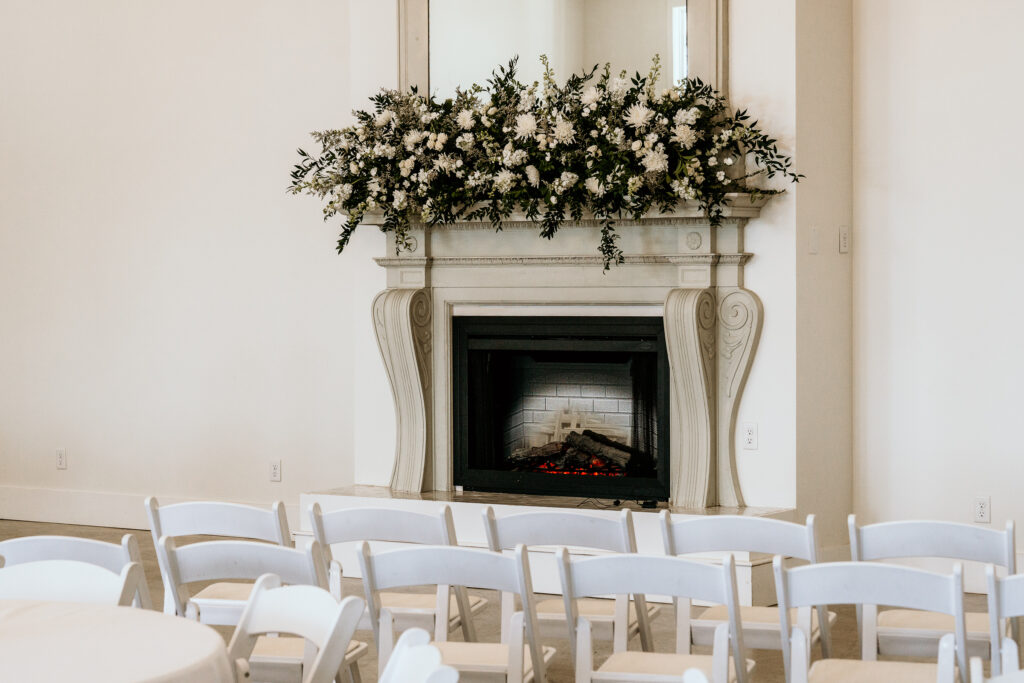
<point x="858" y="583"/>
<point x="309" y="612"/>
<point x="398" y="526"/>
<point x="578" y="530"/>
<point x="513" y="659"/>
<point x="281" y="658"/>
<point x="735" y="533"/>
<point x="111" y="556"/>
<point x="210" y="518"/>
<point x="656" y="575"/>
<point x="1005" y="604"/>
<point x="1008" y="675"/>
<point x="912" y="633"/>
<point x="415" y="660"/>
<point x="70" y="581"/>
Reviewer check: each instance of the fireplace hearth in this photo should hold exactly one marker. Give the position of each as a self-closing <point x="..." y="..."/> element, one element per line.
<point x="561" y="405"/>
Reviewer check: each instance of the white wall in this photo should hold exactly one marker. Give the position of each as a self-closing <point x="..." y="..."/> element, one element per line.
<point x="170" y="315"/>
<point x="937" y="279"/>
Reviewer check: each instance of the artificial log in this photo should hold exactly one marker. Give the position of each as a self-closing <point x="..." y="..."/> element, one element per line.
<point x="548" y="450"/>
<point x="602" y="448"/>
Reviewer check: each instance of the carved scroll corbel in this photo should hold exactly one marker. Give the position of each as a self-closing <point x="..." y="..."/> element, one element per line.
<point x="740" y="316"/>
<point x="402" y="320"/>
<point x="690" y="340"/>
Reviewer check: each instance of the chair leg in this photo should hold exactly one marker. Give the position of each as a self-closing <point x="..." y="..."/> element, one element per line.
<point x="353" y="673"/>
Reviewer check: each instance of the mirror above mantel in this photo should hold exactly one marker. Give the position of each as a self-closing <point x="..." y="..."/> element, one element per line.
<point x="449" y="43"/>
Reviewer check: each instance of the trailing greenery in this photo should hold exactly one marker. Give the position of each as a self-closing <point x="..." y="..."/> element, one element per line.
<point x="599" y="143"/>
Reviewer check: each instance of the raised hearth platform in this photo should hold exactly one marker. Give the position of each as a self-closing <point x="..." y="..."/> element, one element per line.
<point x="753" y="570"/>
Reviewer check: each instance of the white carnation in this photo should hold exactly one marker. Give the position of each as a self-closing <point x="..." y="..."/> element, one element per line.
<point x="654" y="161"/>
<point x="526" y="126"/>
<point x="684" y="135"/>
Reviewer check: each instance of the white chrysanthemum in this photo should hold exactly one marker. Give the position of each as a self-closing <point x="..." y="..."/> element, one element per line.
<point x="564" y="132"/>
<point x="684" y="136"/>
<point x="504" y="180"/>
<point x="594" y="186"/>
<point x="655" y="160"/>
<point x="384" y="118"/>
<point x="590" y="96"/>
<point x="533" y="175"/>
<point x="526" y="126"/>
<point x="638" y="116"/>
<point x="465" y="119"/>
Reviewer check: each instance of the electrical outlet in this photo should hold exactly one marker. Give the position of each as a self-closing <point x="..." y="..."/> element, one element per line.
<point x="62" y="459"/>
<point x="275" y="470"/>
<point x="844" y="239"/>
<point x="750" y="436"/>
<point x="983" y="509"/>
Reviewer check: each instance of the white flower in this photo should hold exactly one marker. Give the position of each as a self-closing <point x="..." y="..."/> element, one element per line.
<point x="654" y="161"/>
<point x="564" y="132"/>
<point x="465" y="142"/>
<point x="682" y="189"/>
<point x="532" y="175"/>
<point x="526" y="126"/>
<point x="618" y="87"/>
<point x="384" y="118"/>
<point x="728" y="161"/>
<point x="636" y="145"/>
<point x="353" y="167"/>
<point x="712" y="161"/>
<point x="399" y="199"/>
<point x="526" y="102"/>
<point x="687" y="116"/>
<point x="513" y="157"/>
<point x="492" y="111"/>
<point x="594" y="186"/>
<point x="405" y="166"/>
<point x="465" y="119"/>
<point x="638" y="116"/>
<point x="565" y="181"/>
<point x="720" y="175"/>
<point x="344" y="192"/>
<point x="684" y="135"/>
<point x="634" y="183"/>
<point x="445" y="163"/>
<point x="504" y="180"/>
<point x="590" y="96"/>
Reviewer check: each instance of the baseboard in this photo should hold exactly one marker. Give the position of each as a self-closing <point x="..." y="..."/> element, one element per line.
<point x="93" y="508"/>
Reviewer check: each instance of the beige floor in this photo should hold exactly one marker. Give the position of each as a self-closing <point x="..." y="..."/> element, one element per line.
<point x="769" y="663"/>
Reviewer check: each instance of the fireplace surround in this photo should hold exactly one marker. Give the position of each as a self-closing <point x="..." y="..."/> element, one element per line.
<point x="677" y="268"/>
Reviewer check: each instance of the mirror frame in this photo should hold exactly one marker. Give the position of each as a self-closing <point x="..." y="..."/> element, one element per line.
<point x="707" y="39"/>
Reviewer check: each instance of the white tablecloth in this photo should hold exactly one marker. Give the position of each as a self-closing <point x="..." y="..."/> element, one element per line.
<point x="61" y="641"/>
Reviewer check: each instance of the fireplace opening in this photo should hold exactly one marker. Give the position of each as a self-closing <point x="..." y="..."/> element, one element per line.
<point x="561" y="406"/>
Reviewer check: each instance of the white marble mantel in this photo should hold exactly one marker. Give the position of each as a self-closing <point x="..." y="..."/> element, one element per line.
<point x="676" y="266"/>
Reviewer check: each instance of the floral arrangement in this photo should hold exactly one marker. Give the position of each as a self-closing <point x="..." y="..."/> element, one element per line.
<point x="602" y="144"/>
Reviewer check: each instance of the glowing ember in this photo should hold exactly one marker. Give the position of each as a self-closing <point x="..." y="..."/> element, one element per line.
<point x="598" y="467"/>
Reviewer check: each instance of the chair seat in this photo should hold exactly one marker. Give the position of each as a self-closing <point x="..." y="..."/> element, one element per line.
<point x="760" y="625"/>
<point x="977" y="622"/>
<point x="290" y="648"/>
<point x="588" y="607"/>
<point x="858" y="671"/>
<point x="485" y="657"/>
<point x="225" y="590"/>
<point x="426" y="601"/>
<point x="662" y="664"/>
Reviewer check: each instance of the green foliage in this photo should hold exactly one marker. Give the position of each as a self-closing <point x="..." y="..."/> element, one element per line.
<point x="599" y="143"/>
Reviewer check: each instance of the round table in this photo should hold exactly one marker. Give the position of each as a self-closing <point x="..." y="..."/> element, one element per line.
<point x="66" y="641"/>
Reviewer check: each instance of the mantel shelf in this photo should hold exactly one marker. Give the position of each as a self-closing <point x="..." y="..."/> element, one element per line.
<point x="740" y="205"/>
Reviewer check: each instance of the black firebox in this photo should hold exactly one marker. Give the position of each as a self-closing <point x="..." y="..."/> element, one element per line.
<point x="568" y="406"/>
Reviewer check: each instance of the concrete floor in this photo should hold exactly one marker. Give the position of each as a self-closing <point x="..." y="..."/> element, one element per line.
<point x="769" y="663"/>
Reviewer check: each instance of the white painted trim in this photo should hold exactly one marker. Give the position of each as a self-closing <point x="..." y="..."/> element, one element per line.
<point x="625" y="311"/>
<point x="96" y="508"/>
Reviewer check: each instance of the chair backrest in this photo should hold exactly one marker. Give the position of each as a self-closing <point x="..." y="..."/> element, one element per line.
<point x="111" y="556"/>
<point x="926" y="538"/>
<point x="560" y="528"/>
<point x="211" y="518"/>
<point x="1005" y="601"/>
<point x="381" y="524"/>
<point x="455" y="566"/>
<point x="226" y="560"/>
<point x="735" y="533"/>
<point x="654" y="574"/>
<point x="70" y="581"/>
<point x="306" y="611"/>
<point x="859" y="583"/>
<point x="415" y="660"/>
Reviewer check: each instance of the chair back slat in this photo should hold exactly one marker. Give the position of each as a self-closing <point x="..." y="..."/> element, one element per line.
<point x="220" y="560"/>
<point x="724" y="533"/>
<point x="110" y="556"/>
<point x="428" y="565"/>
<point x="1008" y="592"/>
<point x="658" y="575"/>
<point x="925" y="538"/>
<point x="1005" y="602"/>
<point x="382" y="524"/>
<point x="561" y="528"/>
<point x="210" y="518"/>
<point x="837" y="583"/>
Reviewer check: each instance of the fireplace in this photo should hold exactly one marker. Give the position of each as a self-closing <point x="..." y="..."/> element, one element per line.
<point x="561" y="406"/>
